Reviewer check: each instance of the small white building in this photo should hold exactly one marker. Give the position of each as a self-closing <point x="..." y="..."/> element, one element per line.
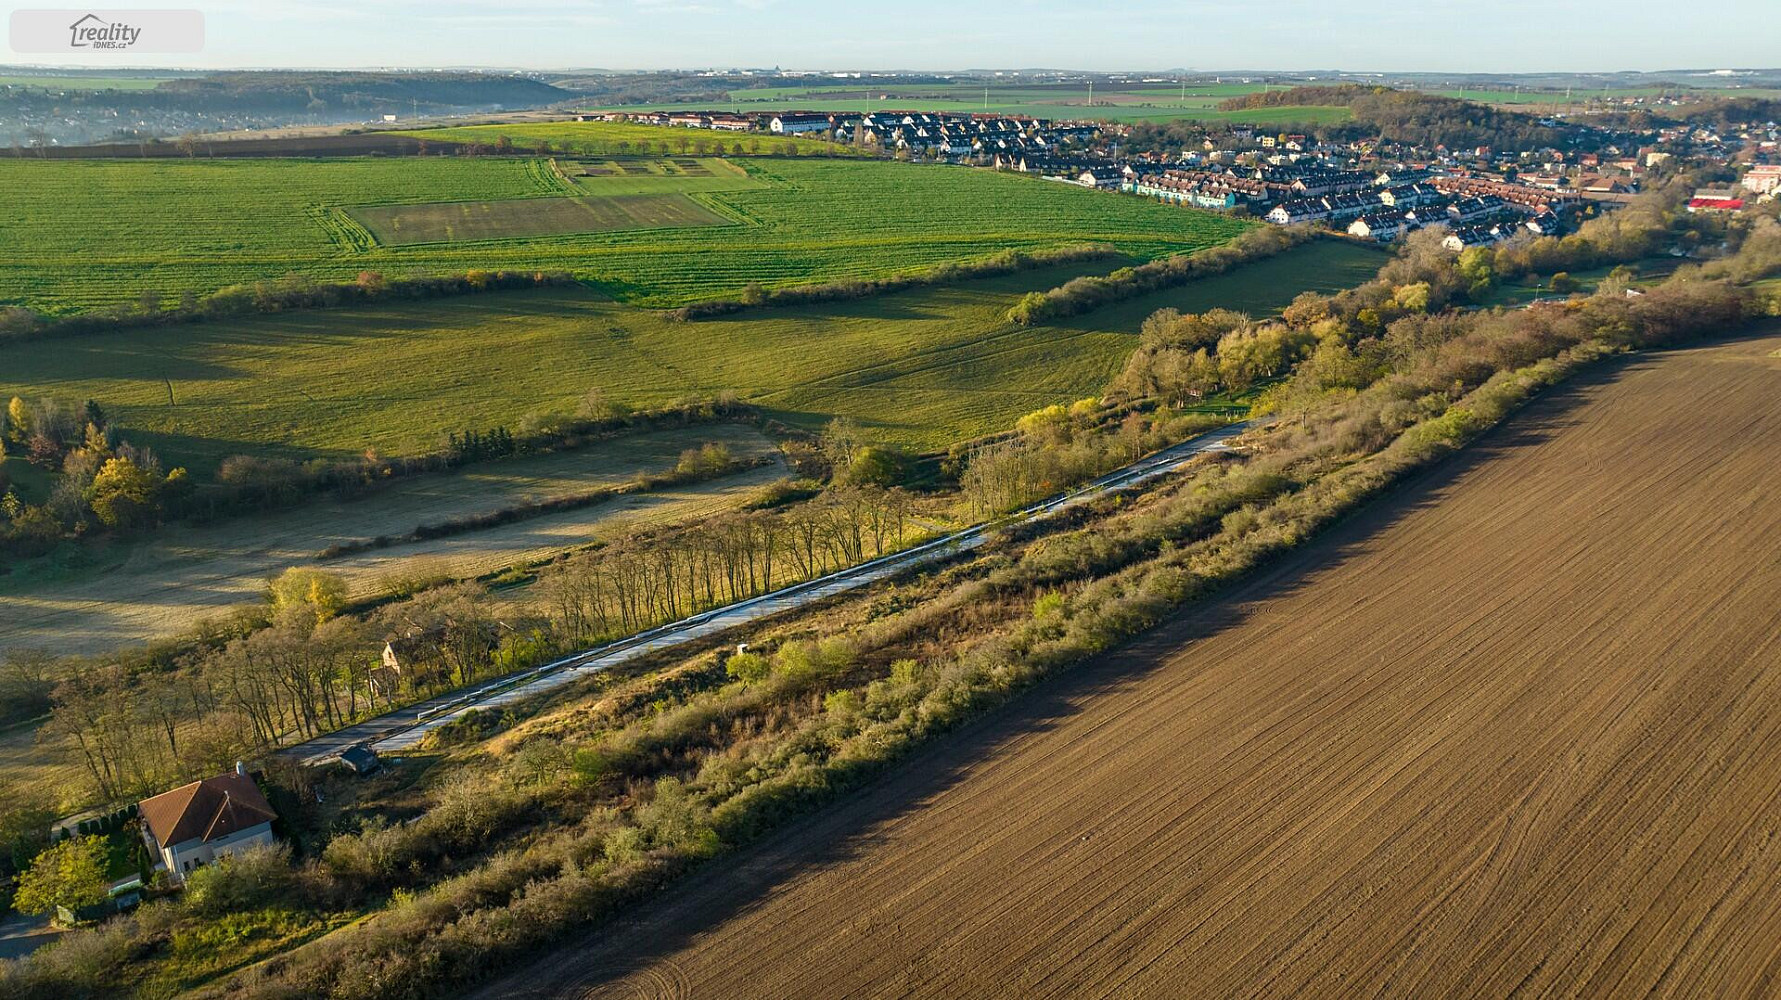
<point x="1467" y="237"/>
<point x="1302" y="210"/>
<point x="1381" y="226"/>
<point x="792" y="124"/>
<point x="195" y="824"/>
<point x="1100" y="177"/>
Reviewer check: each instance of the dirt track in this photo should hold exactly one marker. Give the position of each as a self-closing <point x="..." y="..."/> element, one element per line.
<point x="1515" y="732"/>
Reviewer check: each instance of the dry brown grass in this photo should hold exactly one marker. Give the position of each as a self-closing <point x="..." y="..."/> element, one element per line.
<point x="167" y="583"/>
<point x="1516" y="731"/>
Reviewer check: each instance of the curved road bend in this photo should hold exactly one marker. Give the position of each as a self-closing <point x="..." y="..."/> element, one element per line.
<point x="403" y="728"/>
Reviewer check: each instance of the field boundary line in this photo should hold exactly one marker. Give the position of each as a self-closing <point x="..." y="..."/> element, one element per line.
<point x="562" y="182"/>
<point x="342" y="230"/>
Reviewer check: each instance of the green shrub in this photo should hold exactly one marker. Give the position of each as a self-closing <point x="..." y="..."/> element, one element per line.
<point x="748" y="667"/>
<point x="809" y="662"/>
<point x="252" y="879"/>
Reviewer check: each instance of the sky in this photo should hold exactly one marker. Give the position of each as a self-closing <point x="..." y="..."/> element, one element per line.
<point x="1400" y="35"/>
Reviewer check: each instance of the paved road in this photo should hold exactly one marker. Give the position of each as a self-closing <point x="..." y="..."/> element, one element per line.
<point x="404" y="728"/>
<point x="21" y="935"/>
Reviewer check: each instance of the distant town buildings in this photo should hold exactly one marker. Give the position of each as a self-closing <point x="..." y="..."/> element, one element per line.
<point x="1371" y="188"/>
<point x="1763" y="178"/>
<point x="939" y="134"/>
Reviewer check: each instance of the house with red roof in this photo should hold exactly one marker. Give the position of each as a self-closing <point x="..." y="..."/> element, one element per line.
<point x="1715" y="204"/>
<point x="195" y="824"/>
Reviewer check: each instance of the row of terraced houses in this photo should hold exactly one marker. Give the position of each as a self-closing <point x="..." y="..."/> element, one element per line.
<point x="924" y="132"/>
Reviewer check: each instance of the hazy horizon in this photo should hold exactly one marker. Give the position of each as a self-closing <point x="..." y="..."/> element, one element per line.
<point x="1296" y="36"/>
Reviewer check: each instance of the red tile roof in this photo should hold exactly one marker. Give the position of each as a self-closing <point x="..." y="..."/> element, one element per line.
<point x="206" y="810"/>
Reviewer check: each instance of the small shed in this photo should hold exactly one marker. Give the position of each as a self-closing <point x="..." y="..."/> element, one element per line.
<point x="361" y="758"/>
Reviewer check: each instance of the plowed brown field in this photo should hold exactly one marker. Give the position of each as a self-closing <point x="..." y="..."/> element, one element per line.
<point x="1515" y="731"/>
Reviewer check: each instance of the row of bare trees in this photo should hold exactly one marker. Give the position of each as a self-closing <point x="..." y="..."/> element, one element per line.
<point x="644" y="581"/>
<point x="135" y="729"/>
<point x="308" y="667"/>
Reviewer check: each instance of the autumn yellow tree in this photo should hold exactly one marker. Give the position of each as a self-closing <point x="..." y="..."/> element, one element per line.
<point x="70" y="874"/>
<point x="303" y="592"/>
<point x="124" y="495"/>
<point x="18" y="420"/>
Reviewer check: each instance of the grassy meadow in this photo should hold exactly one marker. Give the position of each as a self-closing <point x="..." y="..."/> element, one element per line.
<point x="112" y="592"/>
<point x="85" y="234"/>
<point x="920" y="369"/>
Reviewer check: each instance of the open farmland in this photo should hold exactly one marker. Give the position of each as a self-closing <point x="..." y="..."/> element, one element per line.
<point x="132" y="592"/>
<point x="1159" y="109"/>
<point x="645" y="175"/>
<point x="1127" y="103"/>
<point x="922" y="368"/>
<point x="400" y="225"/>
<point x="608" y="138"/>
<point x="84" y="234"/>
<point x="1514" y="732"/>
<point x="609" y="194"/>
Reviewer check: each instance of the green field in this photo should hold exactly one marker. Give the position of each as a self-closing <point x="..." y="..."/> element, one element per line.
<point x="459" y="221"/>
<point x="1116" y="107"/>
<point x="655" y="175"/>
<point x="80" y="234"/>
<point x="630" y="193"/>
<point x="1130" y="103"/>
<point x="30" y="481"/>
<point x="920" y="369"/>
<point x="620" y="138"/>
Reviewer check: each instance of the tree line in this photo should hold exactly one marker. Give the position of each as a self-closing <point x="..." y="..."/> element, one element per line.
<point x="1090" y="292"/>
<point x="631" y="585"/>
<point x="756" y="295"/>
<point x="1412" y="117"/>
<point x="306" y="664"/>
<point x="1059" y="446"/>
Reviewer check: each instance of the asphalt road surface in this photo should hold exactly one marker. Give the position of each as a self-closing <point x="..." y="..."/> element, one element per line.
<point x="404" y="728"/>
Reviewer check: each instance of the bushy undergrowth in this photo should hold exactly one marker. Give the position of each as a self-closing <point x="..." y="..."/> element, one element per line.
<point x="252" y="482"/>
<point x="1010" y="262"/>
<point x="1081" y="295"/>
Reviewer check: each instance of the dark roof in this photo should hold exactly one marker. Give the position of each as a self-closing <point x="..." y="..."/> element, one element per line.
<point x="206" y="810"/>
<point x="360" y="758"/>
